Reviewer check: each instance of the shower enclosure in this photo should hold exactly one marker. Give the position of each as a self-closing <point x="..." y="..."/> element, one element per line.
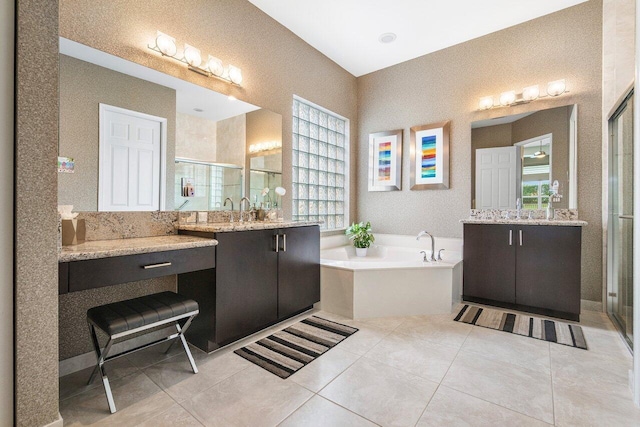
<point x="620" y="219"/>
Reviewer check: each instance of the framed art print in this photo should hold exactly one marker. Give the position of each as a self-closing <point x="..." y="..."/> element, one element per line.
<point x="430" y="156"/>
<point x="385" y="161"/>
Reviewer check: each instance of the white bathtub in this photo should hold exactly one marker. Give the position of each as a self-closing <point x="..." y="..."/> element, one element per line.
<point x="392" y="280"/>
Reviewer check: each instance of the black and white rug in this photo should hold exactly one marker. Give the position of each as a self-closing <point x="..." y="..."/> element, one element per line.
<point x="529" y="326"/>
<point x="286" y="351"/>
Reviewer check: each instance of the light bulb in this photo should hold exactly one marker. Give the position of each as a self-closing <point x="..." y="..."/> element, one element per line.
<point x="235" y="74"/>
<point x="486" y="103"/>
<point x="507" y="98"/>
<point x="192" y="55"/>
<point x="215" y="66"/>
<point x="530" y="93"/>
<point x="166" y="44"/>
<point x="556" y="88"/>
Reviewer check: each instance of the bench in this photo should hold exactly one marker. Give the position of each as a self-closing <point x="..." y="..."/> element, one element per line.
<point x="124" y="318"/>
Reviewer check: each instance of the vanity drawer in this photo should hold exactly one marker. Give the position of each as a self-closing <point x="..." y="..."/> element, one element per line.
<point x="100" y="272"/>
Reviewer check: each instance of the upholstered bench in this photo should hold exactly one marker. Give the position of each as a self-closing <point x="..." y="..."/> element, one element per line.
<point x="121" y="319"/>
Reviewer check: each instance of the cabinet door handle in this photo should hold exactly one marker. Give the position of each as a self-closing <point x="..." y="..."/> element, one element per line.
<point x="510" y="237"/>
<point x="277" y="236"/>
<point x="520" y="231"/>
<point x="284" y="243"/>
<point x="162" y="264"/>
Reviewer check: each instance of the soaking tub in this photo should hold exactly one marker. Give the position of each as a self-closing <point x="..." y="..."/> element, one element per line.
<point x="392" y="280"/>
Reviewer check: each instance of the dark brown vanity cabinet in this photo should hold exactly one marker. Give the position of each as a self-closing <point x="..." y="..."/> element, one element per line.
<point x="261" y="277"/>
<point x="526" y="267"/>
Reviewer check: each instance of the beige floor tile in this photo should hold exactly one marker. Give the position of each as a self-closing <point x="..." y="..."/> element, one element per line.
<point x="511" y="348"/>
<point x="324" y="369"/>
<point x="594" y="407"/>
<point x="136" y="397"/>
<point x="363" y="340"/>
<point x="380" y="393"/>
<point x="452" y="408"/>
<point x="605" y="342"/>
<point x="76" y="383"/>
<point x="319" y="412"/>
<point x="252" y="397"/>
<point x="386" y="323"/>
<point x="175" y="416"/>
<point x="512" y="386"/>
<point x="579" y="368"/>
<point x="152" y="355"/>
<point x="428" y="360"/>
<point x="440" y="329"/>
<point x="177" y="379"/>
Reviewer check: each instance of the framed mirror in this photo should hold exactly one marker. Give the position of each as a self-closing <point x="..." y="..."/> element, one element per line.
<point x="529" y="156"/>
<point x="142" y="140"/>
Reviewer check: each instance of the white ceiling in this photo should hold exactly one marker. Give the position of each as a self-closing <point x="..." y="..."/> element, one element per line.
<point x="215" y="106"/>
<point x="347" y="31"/>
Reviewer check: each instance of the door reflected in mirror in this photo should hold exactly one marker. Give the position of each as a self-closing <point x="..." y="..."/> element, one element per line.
<point x="529" y="156"/>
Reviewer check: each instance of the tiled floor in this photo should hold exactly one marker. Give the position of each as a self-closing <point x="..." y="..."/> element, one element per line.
<point x="411" y="371"/>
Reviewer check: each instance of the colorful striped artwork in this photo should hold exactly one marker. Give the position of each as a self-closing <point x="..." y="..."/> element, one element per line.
<point x="384" y="161"/>
<point x="428" y="167"/>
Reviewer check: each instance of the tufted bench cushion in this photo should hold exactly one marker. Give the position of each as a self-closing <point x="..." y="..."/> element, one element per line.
<point x="126" y="315"/>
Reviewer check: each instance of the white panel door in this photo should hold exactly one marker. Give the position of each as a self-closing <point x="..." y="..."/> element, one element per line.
<point x="497" y="177"/>
<point x="131" y="177"/>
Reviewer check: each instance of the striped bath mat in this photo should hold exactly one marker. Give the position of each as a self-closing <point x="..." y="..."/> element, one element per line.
<point x="534" y="327"/>
<point x="286" y="351"/>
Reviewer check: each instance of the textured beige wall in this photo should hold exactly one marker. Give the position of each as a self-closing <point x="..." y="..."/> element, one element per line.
<point x="83" y="87"/>
<point x="231" y="135"/>
<point x="195" y="138"/>
<point x="7" y="39"/>
<point x="36" y="216"/>
<point x="275" y="63"/>
<point x="446" y="85"/>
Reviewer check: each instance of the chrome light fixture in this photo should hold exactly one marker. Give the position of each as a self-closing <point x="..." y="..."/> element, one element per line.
<point x="213" y="67"/>
<point x="528" y="94"/>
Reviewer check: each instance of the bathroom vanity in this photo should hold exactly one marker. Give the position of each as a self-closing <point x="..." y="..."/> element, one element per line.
<point x="528" y="265"/>
<point x="265" y="273"/>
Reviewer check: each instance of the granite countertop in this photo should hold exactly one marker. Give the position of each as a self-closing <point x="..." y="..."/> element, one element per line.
<point x="243" y="226"/>
<point x="140" y="245"/>
<point x="559" y="222"/>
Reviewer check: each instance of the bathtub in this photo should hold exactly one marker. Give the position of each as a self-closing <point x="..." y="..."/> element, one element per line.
<point x="392" y="280"/>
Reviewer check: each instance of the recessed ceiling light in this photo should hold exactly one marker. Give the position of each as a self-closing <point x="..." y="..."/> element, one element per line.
<point x="199" y="110"/>
<point x="387" y="38"/>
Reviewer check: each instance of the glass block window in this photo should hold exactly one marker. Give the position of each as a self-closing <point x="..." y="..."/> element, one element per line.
<point x="320" y="166"/>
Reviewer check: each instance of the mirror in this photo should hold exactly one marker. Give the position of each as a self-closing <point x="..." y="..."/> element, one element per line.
<point x="144" y="140"/>
<point x="529" y="156"/>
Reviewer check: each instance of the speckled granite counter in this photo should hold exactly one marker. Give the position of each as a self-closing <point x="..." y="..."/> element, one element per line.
<point x="119" y="247"/>
<point x="558" y="222"/>
<point x="243" y="226"/>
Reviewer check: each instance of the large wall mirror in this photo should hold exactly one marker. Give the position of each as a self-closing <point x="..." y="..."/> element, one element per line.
<point x="528" y="156"/>
<point x="143" y="140"/>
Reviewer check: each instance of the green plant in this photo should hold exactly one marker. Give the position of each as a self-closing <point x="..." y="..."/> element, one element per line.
<point x="360" y="234"/>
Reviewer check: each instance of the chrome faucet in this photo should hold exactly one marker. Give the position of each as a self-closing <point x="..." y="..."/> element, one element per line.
<point x="440" y="254"/>
<point x="433" y="244"/>
<point x="518" y="208"/>
<point x="229" y="199"/>
<point x="241" y="205"/>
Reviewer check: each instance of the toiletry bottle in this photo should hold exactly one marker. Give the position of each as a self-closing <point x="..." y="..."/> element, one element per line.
<point x="550" y="210"/>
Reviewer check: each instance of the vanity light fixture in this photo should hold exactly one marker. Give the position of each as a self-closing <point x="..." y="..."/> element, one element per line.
<point x="264" y="146"/>
<point x="528" y="94"/>
<point x="213" y="67"/>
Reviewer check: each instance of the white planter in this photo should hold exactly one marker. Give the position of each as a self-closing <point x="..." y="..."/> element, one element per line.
<point x="361" y="251"/>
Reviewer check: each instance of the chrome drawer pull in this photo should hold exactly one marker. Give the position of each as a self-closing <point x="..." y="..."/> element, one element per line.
<point x="520" y="237"/>
<point x="162" y="264"/>
<point x="284" y="243"/>
<point x="277" y="236"/>
<point x="510" y="237"/>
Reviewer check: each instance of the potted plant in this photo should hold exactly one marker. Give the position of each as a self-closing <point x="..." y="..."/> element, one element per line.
<point x="362" y="237"/>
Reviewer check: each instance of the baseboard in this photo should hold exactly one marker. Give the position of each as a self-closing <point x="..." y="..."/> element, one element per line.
<point x="587" y="305"/>
<point x="87" y="360"/>
<point x="57" y="423"/>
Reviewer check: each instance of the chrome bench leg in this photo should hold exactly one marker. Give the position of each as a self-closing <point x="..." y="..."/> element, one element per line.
<point x="101" y="356"/>
<point x="181" y="332"/>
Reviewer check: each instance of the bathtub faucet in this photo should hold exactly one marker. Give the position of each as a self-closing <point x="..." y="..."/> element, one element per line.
<point x="433" y="243"/>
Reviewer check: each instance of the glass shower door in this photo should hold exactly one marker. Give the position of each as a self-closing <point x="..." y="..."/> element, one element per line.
<point x="620" y="265"/>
